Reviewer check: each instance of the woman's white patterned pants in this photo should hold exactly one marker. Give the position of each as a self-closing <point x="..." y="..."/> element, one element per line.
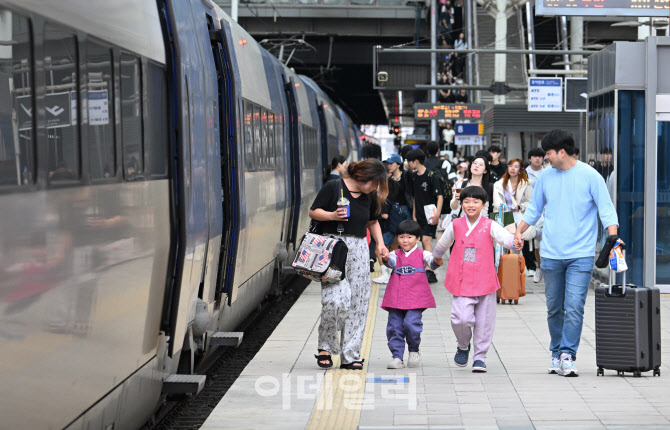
<point x="345" y="305"/>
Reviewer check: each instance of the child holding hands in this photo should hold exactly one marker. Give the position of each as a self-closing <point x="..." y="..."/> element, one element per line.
<point x="407" y="295"/>
<point x="471" y="276"/>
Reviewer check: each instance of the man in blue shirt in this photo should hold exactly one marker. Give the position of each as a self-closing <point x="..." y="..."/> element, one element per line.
<point x="572" y="194"/>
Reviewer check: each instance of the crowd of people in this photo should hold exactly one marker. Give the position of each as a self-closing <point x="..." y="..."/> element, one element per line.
<point x="452" y="67"/>
<point x="560" y="197"/>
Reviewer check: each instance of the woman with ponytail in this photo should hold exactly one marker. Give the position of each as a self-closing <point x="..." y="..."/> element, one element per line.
<point x="345" y="303"/>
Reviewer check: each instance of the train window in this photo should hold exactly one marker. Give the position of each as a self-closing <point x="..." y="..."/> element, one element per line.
<point x="61" y="80"/>
<point x="257" y="139"/>
<point x="265" y="143"/>
<point x="156" y="142"/>
<point x="16" y="100"/>
<point x="248" y="137"/>
<point x="271" y="140"/>
<point x="101" y="152"/>
<point x="278" y="140"/>
<point x="131" y="116"/>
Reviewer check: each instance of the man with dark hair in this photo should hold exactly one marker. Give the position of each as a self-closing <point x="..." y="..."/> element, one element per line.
<point x="574" y="196"/>
<point x="498" y="168"/>
<point x="426" y="191"/>
<point x="536" y="157"/>
<point x="605" y="166"/>
<point x="432" y="163"/>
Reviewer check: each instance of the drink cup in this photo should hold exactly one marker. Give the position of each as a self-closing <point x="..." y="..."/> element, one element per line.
<point x="343" y="203"/>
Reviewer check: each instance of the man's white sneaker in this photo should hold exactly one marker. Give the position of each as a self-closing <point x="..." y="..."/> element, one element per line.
<point x="537" y="277"/>
<point x="567" y="366"/>
<point x="555" y="365"/>
<point x="414" y="359"/>
<point x="396" y="363"/>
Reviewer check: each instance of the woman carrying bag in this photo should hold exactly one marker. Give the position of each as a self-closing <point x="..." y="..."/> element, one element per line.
<point x="513" y="189"/>
<point x="345" y="303"/>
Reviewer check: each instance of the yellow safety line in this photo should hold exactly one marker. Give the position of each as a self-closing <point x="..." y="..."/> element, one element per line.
<point x="341" y="397"/>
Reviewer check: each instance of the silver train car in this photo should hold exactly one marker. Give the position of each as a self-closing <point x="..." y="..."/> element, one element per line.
<point x="156" y="169"/>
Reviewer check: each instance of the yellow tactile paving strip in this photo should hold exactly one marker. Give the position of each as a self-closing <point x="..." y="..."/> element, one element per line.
<point x="340" y="400"/>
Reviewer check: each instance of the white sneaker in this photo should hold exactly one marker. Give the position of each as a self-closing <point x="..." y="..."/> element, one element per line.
<point x="414" y="359"/>
<point x="396" y="363"/>
<point x="567" y="366"/>
<point x="555" y="366"/>
<point x="538" y="276"/>
<point x="530" y="272"/>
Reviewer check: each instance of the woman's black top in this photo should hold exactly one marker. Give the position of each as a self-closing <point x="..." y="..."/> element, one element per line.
<point x="363" y="209"/>
<point x="397" y="191"/>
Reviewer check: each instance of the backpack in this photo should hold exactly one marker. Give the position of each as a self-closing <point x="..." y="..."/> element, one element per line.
<point x="445" y="188"/>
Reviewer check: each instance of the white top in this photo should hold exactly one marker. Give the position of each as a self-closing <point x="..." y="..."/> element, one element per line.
<point x="427" y="257"/>
<point x="448" y="135"/>
<point x="498" y="234"/>
<point x="533" y="175"/>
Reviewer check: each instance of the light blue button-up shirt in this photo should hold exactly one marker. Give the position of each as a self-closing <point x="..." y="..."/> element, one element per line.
<point x="571" y="200"/>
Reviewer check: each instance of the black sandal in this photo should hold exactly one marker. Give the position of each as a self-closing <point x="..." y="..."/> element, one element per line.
<point x="321" y="357"/>
<point x="352" y="365"/>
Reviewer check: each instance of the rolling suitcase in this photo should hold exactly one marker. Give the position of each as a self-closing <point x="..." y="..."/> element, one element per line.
<point x="628" y="328"/>
<point x="512" y="278"/>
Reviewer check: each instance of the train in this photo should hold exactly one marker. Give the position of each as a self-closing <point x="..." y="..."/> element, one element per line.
<point x="156" y="171"/>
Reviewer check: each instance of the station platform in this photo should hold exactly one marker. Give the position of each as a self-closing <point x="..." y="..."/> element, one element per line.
<point x="282" y="387"/>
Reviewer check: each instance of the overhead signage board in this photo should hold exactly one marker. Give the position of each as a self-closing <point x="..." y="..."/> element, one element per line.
<point x="469" y="129"/>
<point x="469" y="140"/>
<point x="636" y="8"/>
<point x="575" y="94"/>
<point x="545" y="95"/>
<point x="448" y="111"/>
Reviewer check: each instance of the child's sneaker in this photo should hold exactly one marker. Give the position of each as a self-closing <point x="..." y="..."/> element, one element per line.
<point x="396" y="363"/>
<point x="567" y="366"/>
<point x="555" y="366"/>
<point x="478" y="367"/>
<point x="461" y="357"/>
<point x="414" y="359"/>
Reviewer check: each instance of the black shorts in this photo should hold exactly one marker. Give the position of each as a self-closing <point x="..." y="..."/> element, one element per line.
<point x="428" y="230"/>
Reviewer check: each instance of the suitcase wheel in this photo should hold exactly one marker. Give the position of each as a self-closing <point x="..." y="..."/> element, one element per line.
<point x="619" y="373"/>
<point x="497" y="299"/>
<point x="516" y="302"/>
<point x="657" y="371"/>
<point x="637" y="373"/>
<point x="600" y="372"/>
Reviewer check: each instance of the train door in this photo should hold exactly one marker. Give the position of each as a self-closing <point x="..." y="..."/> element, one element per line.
<point x="221" y="49"/>
<point x="294" y="148"/>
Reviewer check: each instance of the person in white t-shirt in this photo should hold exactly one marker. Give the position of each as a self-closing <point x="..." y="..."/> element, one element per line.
<point x="448" y="134"/>
<point x="536" y="157"/>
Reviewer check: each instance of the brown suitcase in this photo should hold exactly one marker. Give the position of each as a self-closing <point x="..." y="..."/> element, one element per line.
<point x="512" y="277"/>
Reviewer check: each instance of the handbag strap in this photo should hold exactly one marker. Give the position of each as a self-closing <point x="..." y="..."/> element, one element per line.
<point x="340" y="225"/>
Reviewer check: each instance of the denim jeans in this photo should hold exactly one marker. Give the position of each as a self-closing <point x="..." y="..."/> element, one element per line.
<point x="397" y="214"/>
<point x="567" y="284"/>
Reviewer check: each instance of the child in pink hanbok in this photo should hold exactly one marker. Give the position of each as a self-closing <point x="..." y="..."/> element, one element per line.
<point x="471" y="276"/>
<point x="407" y="295"/>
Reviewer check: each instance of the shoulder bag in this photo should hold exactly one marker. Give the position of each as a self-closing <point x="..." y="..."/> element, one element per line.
<point x="321" y="257"/>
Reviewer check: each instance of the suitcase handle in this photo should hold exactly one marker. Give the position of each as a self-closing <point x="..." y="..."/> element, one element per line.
<point x="613" y="274"/>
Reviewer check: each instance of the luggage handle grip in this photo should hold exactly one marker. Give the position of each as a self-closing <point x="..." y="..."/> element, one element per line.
<point x="613" y="274"/>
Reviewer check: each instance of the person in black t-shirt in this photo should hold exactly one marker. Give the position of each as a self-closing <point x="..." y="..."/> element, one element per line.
<point x="345" y="303"/>
<point x="426" y="191"/>
<point x="498" y="168"/>
<point x="432" y="163"/>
